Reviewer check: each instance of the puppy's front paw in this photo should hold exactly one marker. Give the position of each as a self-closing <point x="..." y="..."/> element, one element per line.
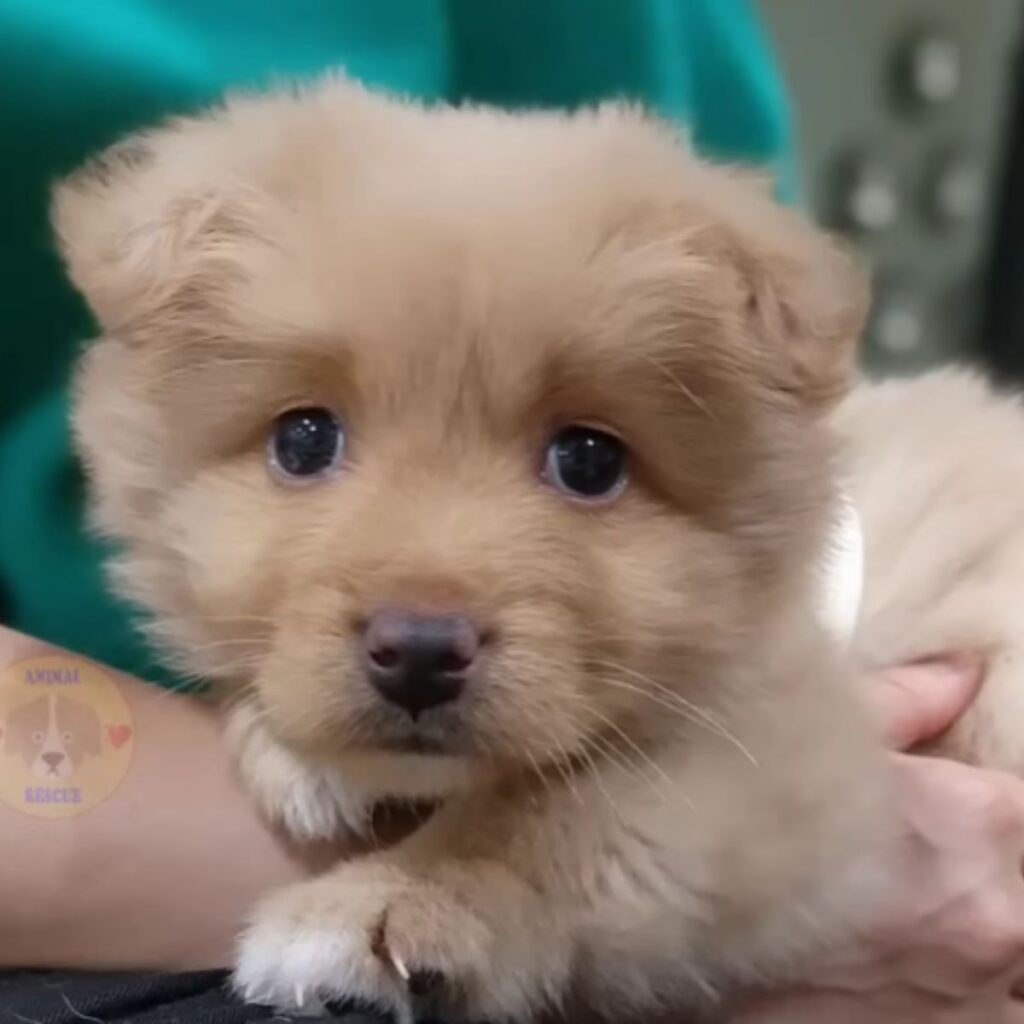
<point x="307" y="802"/>
<point x="371" y="933"/>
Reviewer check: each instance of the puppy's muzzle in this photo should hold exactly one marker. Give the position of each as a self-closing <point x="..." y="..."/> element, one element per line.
<point x="419" y="661"/>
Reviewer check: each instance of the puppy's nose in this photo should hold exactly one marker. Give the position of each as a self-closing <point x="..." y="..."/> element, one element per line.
<point x="419" y="661"/>
<point x="53" y="758"/>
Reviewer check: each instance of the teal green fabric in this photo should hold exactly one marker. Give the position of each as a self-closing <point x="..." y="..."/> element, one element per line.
<point x="77" y="74"/>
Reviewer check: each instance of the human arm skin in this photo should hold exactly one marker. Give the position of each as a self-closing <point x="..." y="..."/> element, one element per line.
<point x="158" y="876"/>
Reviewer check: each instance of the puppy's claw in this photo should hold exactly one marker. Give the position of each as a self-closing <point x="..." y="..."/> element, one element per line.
<point x="417" y="982"/>
<point x="399" y="965"/>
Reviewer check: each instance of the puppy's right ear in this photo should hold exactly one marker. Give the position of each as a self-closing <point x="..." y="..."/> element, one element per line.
<point x="136" y="228"/>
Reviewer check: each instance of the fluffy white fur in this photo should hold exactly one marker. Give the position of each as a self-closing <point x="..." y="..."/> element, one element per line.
<point x="936" y="467"/>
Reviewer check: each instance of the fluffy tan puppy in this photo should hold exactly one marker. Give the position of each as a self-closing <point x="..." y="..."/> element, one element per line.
<point x="489" y="458"/>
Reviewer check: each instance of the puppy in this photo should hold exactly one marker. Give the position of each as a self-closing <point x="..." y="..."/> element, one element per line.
<point x="489" y="459"/>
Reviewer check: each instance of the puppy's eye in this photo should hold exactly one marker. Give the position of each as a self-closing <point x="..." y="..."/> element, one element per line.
<point x="586" y="463"/>
<point x="306" y="443"/>
<point x="37" y="737"/>
<point x="66" y="737"/>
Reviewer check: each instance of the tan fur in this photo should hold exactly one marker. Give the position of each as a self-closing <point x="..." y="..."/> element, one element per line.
<point x="663" y="785"/>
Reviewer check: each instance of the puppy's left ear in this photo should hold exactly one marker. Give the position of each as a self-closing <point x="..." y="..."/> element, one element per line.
<point x="809" y="299"/>
<point x="805" y="297"/>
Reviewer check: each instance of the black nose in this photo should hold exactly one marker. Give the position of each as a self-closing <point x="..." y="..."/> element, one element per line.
<point x="419" y="661"/>
<point x="53" y="758"/>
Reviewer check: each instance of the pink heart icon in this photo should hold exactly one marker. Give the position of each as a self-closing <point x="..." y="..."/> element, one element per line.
<point x="119" y="735"/>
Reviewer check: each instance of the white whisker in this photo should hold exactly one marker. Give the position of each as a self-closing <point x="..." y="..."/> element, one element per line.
<point x="671" y="700"/>
<point x="687" y="392"/>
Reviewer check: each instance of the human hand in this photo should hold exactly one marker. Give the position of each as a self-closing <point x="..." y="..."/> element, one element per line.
<point x="950" y="948"/>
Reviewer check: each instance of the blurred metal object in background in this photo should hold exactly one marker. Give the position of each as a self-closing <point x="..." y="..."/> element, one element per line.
<point x="905" y="112"/>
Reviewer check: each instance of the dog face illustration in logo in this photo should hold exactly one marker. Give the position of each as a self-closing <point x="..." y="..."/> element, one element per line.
<point x="53" y="735"/>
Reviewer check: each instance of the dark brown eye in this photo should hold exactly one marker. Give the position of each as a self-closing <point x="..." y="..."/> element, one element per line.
<point x="306" y="443"/>
<point x="586" y="462"/>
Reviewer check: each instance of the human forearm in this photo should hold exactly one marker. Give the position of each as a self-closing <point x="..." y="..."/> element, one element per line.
<point x="158" y="875"/>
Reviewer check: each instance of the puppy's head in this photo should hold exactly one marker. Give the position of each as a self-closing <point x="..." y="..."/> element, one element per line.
<point x="53" y="734"/>
<point x="450" y="430"/>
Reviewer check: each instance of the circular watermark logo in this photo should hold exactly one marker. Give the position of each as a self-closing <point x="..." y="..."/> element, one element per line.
<point x="66" y="736"/>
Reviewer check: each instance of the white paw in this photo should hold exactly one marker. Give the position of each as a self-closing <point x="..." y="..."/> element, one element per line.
<point x="307" y="801"/>
<point x="371" y="934"/>
<point x="298" y="971"/>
